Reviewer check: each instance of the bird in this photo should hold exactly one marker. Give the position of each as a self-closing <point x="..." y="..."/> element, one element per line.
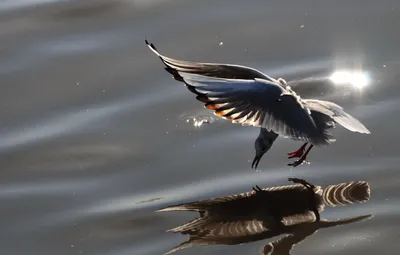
<point x="264" y="213"/>
<point x="249" y="97"/>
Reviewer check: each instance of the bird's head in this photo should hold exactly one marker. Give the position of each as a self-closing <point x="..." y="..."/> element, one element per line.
<point x="262" y="145"/>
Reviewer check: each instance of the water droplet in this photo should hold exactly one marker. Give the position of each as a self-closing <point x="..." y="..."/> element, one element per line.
<point x="198" y="123"/>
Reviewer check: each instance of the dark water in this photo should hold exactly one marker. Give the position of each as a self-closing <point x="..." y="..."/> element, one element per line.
<point x="94" y="138"/>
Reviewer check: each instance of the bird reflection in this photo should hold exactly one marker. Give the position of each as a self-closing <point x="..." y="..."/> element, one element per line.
<point x="293" y="210"/>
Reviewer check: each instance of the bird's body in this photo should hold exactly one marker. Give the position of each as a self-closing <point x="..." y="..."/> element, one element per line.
<point x="248" y="97"/>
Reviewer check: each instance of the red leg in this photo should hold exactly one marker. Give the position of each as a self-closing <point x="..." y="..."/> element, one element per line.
<point x="298" y="153"/>
<point x="303" y="157"/>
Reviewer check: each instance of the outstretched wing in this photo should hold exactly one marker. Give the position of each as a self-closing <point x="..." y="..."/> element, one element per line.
<point x="346" y="193"/>
<point x="336" y="113"/>
<point x="227" y="71"/>
<point x="240" y="200"/>
<point x="248" y="97"/>
<point x="258" y="103"/>
<point x="240" y="215"/>
<point x="209" y="231"/>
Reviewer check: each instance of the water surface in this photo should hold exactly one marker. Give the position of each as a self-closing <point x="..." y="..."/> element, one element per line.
<point x="94" y="136"/>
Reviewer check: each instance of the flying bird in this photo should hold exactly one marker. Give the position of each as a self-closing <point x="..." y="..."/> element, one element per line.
<point x="249" y="97"/>
<point x="265" y="213"/>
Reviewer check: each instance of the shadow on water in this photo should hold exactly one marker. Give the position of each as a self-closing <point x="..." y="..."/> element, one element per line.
<point x="293" y="210"/>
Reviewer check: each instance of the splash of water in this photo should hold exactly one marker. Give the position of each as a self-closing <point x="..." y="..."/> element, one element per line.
<point x="198" y="119"/>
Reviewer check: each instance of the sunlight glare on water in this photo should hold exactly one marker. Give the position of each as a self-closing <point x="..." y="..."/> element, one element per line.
<point x="358" y="79"/>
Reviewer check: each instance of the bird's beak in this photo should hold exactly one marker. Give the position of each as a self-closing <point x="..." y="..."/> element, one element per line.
<point x="256" y="160"/>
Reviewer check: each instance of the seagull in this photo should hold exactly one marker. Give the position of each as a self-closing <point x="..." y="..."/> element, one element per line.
<point x="249" y="97"/>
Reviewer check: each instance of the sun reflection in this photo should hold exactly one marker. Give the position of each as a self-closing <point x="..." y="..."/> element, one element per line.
<point x="357" y="79"/>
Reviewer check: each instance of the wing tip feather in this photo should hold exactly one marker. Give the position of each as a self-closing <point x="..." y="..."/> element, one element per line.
<point x="152" y="47"/>
<point x="203" y="98"/>
<point x="352" y="124"/>
<point x="170" y="209"/>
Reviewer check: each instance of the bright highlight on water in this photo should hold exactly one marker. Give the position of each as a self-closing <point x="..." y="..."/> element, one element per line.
<point x="357" y="79"/>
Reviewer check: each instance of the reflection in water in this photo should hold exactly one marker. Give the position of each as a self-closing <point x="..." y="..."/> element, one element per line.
<point x="265" y="213"/>
<point x="301" y="231"/>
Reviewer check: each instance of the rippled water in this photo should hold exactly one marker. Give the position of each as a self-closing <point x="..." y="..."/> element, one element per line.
<point x="94" y="135"/>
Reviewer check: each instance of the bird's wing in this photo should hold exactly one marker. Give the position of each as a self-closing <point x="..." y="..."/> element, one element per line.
<point x="258" y="103"/>
<point x="174" y="66"/>
<point x="295" y="219"/>
<point x="205" y="205"/>
<point x="346" y="193"/>
<point x="211" y="231"/>
<point x="220" y="232"/>
<point x="336" y="113"/>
